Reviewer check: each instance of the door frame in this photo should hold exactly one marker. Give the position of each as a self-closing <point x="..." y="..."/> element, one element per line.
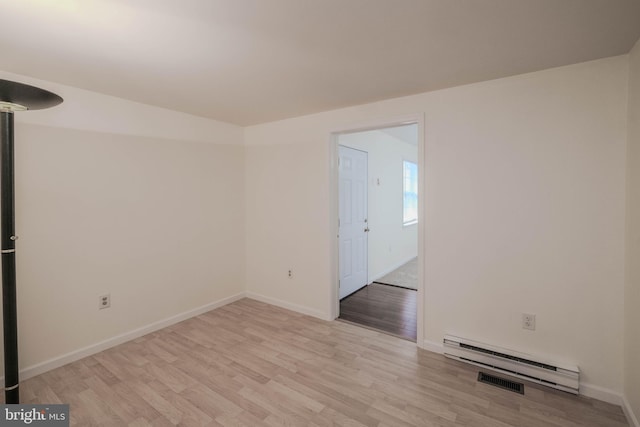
<point x="334" y="303"/>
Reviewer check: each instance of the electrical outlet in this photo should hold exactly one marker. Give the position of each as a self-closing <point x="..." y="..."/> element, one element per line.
<point x="290" y="274"/>
<point x="529" y="321"/>
<point x="104" y="301"/>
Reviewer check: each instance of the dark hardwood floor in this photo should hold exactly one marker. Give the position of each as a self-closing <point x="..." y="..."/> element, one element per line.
<point x="386" y="308"/>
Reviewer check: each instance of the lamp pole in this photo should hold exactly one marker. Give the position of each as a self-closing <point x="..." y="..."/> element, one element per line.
<point x="7" y="231"/>
<point x="13" y="97"/>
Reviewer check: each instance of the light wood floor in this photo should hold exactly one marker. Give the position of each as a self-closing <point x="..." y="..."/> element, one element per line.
<point x="251" y="364"/>
<point x="406" y="276"/>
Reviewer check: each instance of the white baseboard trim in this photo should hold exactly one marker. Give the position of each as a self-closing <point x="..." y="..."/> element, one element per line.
<point x="432" y="346"/>
<point x="628" y="412"/>
<point x="56" y="362"/>
<point x="289" y="306"/>
<point x="600" y="393"/>
<point x="389" y="270"/>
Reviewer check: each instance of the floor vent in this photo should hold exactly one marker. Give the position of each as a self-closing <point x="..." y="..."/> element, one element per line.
<point x="501" y="382"/>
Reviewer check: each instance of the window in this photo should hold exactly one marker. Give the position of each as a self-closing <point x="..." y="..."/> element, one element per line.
<point x="409" y="193"/>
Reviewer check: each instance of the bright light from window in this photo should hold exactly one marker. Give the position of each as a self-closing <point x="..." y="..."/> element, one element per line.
<point x="410" y="193"/>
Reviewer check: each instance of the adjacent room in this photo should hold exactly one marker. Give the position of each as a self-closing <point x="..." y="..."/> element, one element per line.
<point x="175" y="231"/>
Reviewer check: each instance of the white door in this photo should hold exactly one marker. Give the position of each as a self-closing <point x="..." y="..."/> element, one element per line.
<point x="353" y="227"/>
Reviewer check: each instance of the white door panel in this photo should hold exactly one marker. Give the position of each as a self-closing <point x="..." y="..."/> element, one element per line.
<point x="353" y="220"/>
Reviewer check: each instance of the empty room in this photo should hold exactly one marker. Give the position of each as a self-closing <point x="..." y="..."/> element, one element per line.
<point x="176" y="247"/>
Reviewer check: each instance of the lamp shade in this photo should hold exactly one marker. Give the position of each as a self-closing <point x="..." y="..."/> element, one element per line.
<point x="18" y="96"/>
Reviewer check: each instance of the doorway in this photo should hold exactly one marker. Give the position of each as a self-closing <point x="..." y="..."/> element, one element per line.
<point x="378" y="228"/>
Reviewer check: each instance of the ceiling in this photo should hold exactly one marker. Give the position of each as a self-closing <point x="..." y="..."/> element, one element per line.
<point x="405" y="133"/>
<point x="254" y="61"/>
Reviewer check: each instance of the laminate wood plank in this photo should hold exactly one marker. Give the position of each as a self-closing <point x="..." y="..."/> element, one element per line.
<point x="274" y="404"/>
<point x="98" y="410"/>
<point x="383" y="307"/>
<point x="126" y="396"/>
<point x="339" y="403"/>
<point x="140" y="422"/>
<point x="191" y="414"/>
<point x="211" y="402"/>
<point x="242" y="420"/>
<point x="273" y="367"/>
<point x="122" y="407"/>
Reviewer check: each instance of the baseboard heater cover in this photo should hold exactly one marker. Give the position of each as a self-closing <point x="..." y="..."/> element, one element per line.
<point x="509" y="362"/>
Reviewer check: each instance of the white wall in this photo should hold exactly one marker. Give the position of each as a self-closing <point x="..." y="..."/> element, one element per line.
<point x="525" y="205"/>
<point x="390" y="243"/>
<point x="153" y="219"/>
<point x="632" y="289"/>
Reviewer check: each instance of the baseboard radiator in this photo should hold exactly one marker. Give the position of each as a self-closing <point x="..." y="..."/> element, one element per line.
<point x="512" y="363"/>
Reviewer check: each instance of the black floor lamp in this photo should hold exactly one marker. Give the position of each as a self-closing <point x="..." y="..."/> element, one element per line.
<point x="13" y="97"/>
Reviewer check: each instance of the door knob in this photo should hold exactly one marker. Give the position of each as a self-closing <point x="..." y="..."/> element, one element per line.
<point x="366" y="230"/>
